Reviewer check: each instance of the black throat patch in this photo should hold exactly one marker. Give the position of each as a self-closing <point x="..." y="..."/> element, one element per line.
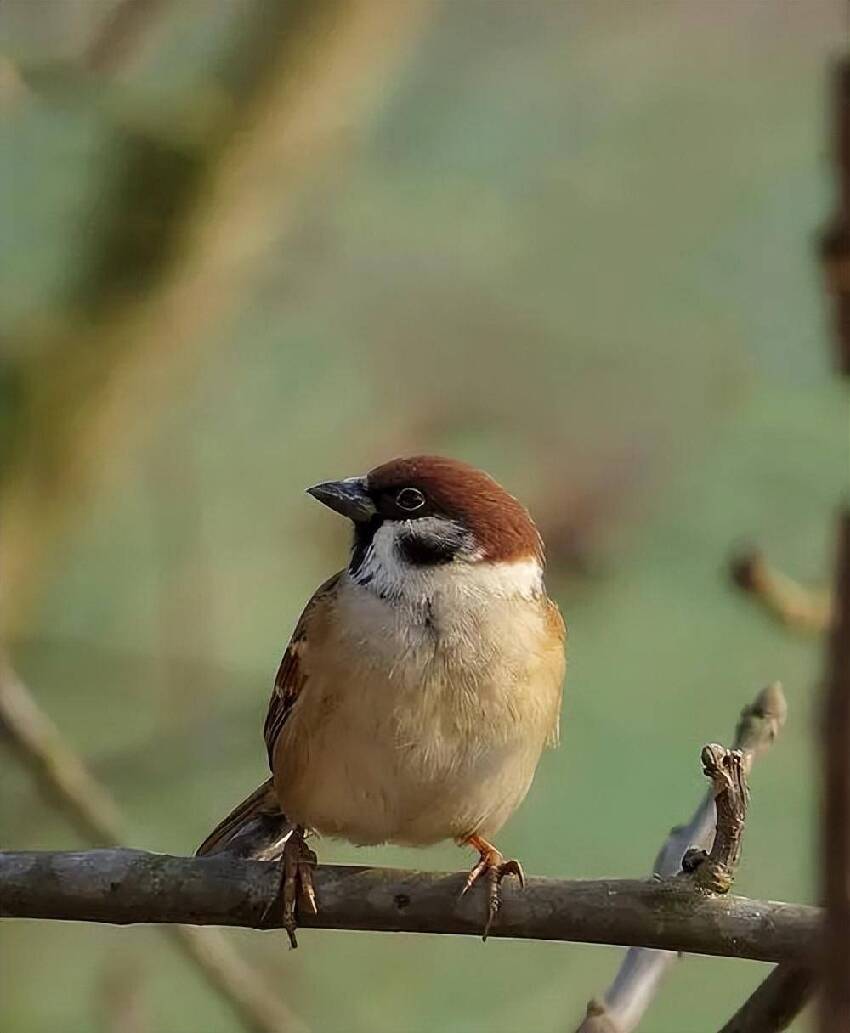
<point x="363" y="535"/>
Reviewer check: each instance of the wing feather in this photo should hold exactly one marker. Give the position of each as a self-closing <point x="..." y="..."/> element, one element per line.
<point x="291" y="676"/>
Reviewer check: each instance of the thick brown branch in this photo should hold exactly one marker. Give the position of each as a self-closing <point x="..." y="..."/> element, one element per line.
<point x="127" y="886"/>
<point x="835" y="243"/>
<point x="640" y="975"/>
<point x="775" y="1003"/>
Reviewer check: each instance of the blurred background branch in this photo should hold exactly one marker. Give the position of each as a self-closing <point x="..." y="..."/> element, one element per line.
<point x="182" y="221"/>
<point x="776" y="1002"/>
<point x="119" y="34"/>
<point x="641" y="972"/>
<point x="835" y="243"/>
<point x="62" y="777"/>
<point x="835" y="842"/>
<point x="802" y="609"/>
<point x="834" y="1012"/>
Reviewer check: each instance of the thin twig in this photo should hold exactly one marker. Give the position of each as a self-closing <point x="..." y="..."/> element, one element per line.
<point x="59" y="773"/>
<point x="63" y="779"/>
<point x="131" y="886"/>
<point x="835" y="839"/>
<point x="795" y="606"/>
<point x="642" y="970"/>
<point x="776" y="1002"/>
<point x="715" y="871"/>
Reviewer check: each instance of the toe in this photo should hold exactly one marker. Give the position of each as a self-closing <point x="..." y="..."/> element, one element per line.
<point x="307" y="892"/>
<point x="494" y="900"/>
<point x="298" y="890"/>
<point x="512" y="868"/>
<point x="474" y="876"/>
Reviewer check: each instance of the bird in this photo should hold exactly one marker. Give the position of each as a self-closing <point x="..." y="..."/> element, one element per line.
<point x="420" y="686"/>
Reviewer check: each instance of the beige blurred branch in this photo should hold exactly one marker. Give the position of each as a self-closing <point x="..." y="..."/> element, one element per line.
<point x="64" y="780"/>
<point x="58" y="772"/>
<point x="640" y="975"/>
<point x="120" y="32"/>
<point x="188" y="210"/>
<point x="119" y="996"/>
<point x="803" y="609"/>
<point x="12" y="86"/>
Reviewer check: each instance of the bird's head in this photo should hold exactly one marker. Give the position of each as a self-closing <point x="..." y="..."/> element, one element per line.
<point x="429" y="512"/>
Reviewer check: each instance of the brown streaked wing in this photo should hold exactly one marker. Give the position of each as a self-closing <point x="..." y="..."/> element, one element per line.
<point x="291" y="677"/>
<point x="555" y="620"/>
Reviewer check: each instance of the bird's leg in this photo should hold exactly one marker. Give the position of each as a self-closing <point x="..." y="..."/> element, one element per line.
<point x="492" y="864"/>
<point x="297" y="873"/>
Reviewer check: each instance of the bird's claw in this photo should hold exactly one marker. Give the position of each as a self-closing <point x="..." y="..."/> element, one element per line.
<point x="298" y="890"/>
<point x="495" y="868"/>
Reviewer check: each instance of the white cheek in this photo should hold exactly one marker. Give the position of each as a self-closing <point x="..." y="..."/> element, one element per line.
<point x="383" y="569"/>
<point x="384" y="552"/>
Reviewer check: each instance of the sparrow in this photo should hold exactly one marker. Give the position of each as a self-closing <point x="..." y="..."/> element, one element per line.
<point x="421" y="683"/>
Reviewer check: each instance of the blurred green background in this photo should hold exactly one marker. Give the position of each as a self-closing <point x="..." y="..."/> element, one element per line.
<point x="248" y="246"/>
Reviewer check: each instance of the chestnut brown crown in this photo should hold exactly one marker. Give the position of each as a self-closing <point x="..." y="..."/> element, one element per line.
<point x="428" y="485"/>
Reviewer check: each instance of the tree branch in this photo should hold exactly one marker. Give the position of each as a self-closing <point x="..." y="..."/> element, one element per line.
<point x="642" y="970"/>
<point x="64" y="780"/>
<point x="775" y="1003"/>
<point x="120" y="32"/>
<point x="129" y="886"/>
<point x="58" y="772"/>
<point x="725" y="768"/>
<point x="835" y="243"/>
<point x="835" y="840"/>
<point x="802" y="609"/>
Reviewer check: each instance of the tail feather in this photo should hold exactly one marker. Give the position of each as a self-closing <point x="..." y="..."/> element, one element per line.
<point x="257" y="828"/>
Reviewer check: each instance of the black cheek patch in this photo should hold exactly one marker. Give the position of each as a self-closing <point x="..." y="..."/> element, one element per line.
<point x="363" y="535"/>
<point x="430" y="548"/>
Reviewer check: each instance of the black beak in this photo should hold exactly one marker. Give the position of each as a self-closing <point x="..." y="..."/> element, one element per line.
<point x="348" y="497"/>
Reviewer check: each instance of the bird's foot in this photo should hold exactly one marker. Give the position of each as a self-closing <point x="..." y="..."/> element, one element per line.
<point x="492" y="865"/>
<point x="297" y="873"/>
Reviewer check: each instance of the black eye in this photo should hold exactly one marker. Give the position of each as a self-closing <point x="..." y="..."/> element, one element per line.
<point x="410" y="499"/>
